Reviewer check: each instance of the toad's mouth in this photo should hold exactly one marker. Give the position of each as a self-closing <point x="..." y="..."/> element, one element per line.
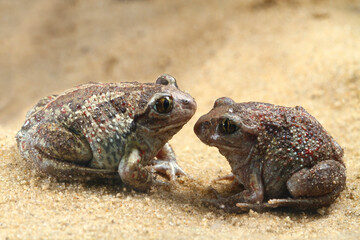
<point x="215" y="140"/>
<point x="224" y="146"/>
<point x="170" y="127"/>
<point x="227" y="147"/>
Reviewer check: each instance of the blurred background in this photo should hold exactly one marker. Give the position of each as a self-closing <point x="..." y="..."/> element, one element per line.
<point x="282" y="51"/>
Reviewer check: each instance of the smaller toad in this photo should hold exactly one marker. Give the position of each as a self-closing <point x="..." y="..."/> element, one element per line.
<point x="282" y="156"/>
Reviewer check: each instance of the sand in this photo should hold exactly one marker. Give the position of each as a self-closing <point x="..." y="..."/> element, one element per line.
<point x="282" y="52"/>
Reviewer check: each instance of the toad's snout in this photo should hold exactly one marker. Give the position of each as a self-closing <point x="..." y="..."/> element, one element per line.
<point x="202" y="127"/>
<point x="187" y="105"/>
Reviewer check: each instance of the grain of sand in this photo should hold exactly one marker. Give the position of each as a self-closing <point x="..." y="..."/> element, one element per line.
<point x="283" y="52"/>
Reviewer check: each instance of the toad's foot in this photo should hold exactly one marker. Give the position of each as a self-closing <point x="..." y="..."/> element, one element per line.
<point x="258" y="207"/>
<point x="228" y="177"/>
<point x="289" y="203"/>
<point x="306" y="203"/>
<point x="168" y="168"/>
<point x="297" y="204"/>
<point x="236" y="185"/>
<point x="166" y="164"/>
<point x="228" y="204"/>
<point x="222" y="203"/>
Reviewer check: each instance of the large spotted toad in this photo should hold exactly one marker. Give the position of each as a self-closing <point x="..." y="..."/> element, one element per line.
<point x="108" y="130"/>
<point x="282" y="156"/>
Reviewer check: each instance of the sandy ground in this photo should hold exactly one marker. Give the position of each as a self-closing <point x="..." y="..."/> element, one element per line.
<point x="286" y="53"/>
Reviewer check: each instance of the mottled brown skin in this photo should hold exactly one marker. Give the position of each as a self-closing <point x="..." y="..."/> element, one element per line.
<point x="282" y="156"/>
<point x="108" y="130"/>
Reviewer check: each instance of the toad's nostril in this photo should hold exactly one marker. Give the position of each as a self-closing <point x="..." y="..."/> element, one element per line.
<point x="201" y="127"/>
<point x="185" y="102"/>
<point x="206" y="125"/>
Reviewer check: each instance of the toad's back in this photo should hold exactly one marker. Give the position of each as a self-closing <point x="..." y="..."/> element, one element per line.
<point x="101" y="114"/>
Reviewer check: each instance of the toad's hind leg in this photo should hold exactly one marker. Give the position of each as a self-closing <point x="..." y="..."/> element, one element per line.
<point x="68" y="171"/>
<point x="311" y="188"/>
<point x="57" y="151"/>
<point x="294" y="204"/>
<point x="320" y="180"/>
<point x="60" y="143"/>
<point x="315" y="187"/>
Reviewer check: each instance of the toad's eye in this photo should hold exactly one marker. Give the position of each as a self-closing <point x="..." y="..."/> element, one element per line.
<point x="164" y="104"/>
<point x="227" y="126"/>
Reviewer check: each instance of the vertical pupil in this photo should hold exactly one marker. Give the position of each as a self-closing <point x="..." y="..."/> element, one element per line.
<point x="165" y="104"/>
<point x="228" y="126"/>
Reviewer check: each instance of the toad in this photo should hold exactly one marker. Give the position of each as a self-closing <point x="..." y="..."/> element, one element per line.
<point x="281" y="156"/>
<point x="108" y="130"/>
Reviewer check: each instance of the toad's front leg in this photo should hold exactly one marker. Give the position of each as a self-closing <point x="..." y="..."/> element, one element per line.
<point x="253" y="194"/>
<point x="166" y="163"/>
<point x="133" y="173"/>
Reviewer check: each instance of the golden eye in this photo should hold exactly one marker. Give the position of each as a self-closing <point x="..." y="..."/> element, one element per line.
<point x="227" y="126"/>
<point x="164" y="104"/>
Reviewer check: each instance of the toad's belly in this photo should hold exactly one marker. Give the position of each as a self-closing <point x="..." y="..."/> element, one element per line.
<point x="107" y="152"/>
